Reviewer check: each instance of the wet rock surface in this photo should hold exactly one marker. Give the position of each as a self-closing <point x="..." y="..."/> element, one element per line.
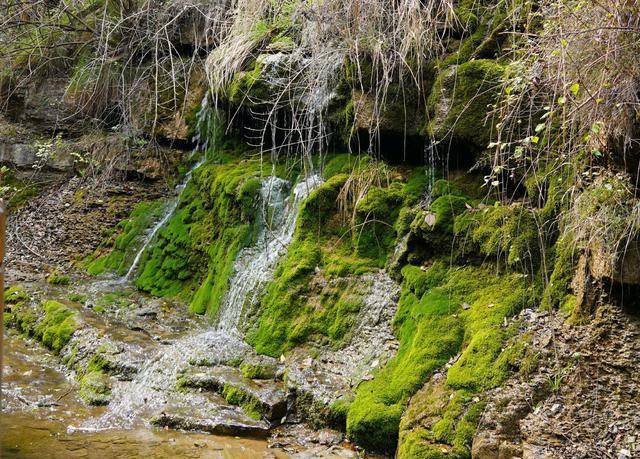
<point x="269" y="394"/>
<point x="580" y="401"/>
<point x="225" y="422"/>
<point x="334" y="374"/>
<point x="303" y="442"/>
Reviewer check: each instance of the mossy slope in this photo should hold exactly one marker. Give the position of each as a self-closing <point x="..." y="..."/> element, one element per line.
<point x="317" y="292"/>
<point x="433" y="326"/>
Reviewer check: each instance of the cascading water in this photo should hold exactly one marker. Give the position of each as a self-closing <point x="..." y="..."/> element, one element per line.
<point x="254" y="265"/>
<point x="431" y="160"/>
<point x="153" y="389"/>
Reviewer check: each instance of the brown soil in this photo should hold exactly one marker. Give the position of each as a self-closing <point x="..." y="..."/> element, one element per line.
<point x="581" y="400"/>
<point x="67" y="221"/>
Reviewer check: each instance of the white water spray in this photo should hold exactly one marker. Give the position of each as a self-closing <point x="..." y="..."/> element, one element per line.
<point x="254" y="265"/>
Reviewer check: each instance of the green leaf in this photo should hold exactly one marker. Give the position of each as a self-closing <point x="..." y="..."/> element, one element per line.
<point x="540" y="127"/>
<point x="575" y="88"/>
<point x="562" y="100"/>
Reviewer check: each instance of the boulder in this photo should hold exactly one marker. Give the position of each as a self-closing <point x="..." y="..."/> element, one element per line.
<point x="268" y="397"/>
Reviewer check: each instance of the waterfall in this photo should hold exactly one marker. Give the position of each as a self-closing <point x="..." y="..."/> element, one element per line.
<point x="254" y="265"/>
<point x="431" y="160"/>
<point x="154" y="387"/>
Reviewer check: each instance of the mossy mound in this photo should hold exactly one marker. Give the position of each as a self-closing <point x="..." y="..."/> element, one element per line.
<point x="317" y="290"/>
<point x="460" y="101"/>
<point x="442" y="312"/>
<point x="51" y="323"/>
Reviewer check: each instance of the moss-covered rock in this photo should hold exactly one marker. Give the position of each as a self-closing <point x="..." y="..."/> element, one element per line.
<point x="95" y="388"/>
<point x="50" y="322"/>
<point x="509" y="233"/>
<point x="194" y="252"/>
<point x="317" y="292"/>
<point x="433" y="326"/>
<point x="459" y="105"/>
<point x="56" y="278"/>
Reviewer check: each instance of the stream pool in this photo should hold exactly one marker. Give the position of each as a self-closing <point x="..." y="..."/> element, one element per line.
<point x="39" y="403"/>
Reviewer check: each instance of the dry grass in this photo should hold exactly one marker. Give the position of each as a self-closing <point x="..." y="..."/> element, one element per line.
<point x="120" y="53"/>
<point x="385" y="42"/>
<point x="574" y="88"/>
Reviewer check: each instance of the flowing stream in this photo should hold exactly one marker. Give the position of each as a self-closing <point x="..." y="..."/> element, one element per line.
<point x="39" y="402"/>
<point x="153" y="389"/>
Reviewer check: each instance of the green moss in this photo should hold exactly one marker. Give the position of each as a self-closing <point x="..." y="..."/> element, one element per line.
<point x="56" y="278"/>
<point x="376" y="214"/>
<point x="432" y="327"/>
<point x="15" y="294"/>
<point x="95" y="388"/>
<point x="112" y="300"/>
<point x="504" y="232"/>
<point x="236" y="396"/>
<point x="419" y="280"/>
<point x="342" y="163"/>
<point x="117" y="254"/>
<point x="247" y="87"/>
<point x="78" y="298"/>
<point x="459" y="100"/>
<point x="57" y="326"/>
<point x="315" y="295"/>
<point x="53" y="325"/>
<point x="194" y="252"/>
<point x="339" y="410"/>
<point x="557" y="292"/>
<point x="478" y="367"/>
<point x="258" y="370"/>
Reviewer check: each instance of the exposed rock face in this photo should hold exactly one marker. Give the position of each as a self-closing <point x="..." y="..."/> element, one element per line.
<point x="66" y="223"/>
<point x="335" y="374"/>
<point x="46" y="107"/>
<point x="581" y="399"/>
<point x="225" y="423"/>
<point x="625" y="269"/>
<point x="25" y="156"/>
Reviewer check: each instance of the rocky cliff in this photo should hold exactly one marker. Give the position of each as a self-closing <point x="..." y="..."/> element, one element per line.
<point x="462" y="280"/>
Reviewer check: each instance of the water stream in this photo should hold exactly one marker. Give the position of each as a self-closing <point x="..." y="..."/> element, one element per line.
<point x="39" y="402"/>
<point x="153" y="389"/>
<point x="254" y="265"/>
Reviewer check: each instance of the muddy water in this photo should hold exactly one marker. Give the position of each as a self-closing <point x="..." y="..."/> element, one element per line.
<point x="40" y="402"/>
